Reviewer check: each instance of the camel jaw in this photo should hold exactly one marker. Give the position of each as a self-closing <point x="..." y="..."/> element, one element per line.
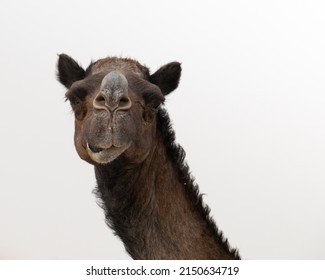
<point x="107" y="155"/>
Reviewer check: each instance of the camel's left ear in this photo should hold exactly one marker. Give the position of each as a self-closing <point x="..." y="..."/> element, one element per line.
<point x="167" y="77"/>
<point x="69" y="71"/>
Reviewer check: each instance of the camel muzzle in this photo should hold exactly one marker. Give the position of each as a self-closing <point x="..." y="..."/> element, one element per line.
<point x="113" y="94"/>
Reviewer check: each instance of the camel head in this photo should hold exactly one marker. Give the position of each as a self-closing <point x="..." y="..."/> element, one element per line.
<point x="115" y="101"/>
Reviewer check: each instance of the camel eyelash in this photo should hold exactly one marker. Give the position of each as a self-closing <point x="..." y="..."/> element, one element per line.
<point x="74" y="101"/>
<point x="76" y="95"/>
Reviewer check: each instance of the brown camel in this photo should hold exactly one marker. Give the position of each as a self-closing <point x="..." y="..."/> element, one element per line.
<point x="143" y="183"/>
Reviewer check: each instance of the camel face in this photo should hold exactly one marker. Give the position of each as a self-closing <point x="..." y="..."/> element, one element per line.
<point x="116" y="119"/>
<point x="115" y="102"/>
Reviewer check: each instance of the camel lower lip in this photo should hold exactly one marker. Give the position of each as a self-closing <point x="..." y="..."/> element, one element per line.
<point x="103" y="156"/>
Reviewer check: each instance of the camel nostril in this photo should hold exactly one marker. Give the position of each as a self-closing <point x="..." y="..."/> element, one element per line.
<point x="124" y="102"/>
<point x="112" y="102"/>
<point x="100" y="100"/>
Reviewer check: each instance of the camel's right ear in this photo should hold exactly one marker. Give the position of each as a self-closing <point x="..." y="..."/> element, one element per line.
<point x="69" y="70"/>
<point x="167" y="77"/>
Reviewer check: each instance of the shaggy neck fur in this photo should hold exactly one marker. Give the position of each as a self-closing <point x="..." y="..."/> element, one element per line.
<point x="156" y="209"/>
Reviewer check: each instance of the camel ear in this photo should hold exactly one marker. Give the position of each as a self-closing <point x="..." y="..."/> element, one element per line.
<point x="69" y="70"/>
<point x="167" y="77"/>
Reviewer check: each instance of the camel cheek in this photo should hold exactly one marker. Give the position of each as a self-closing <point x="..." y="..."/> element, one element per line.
<point x="78" y="141"/>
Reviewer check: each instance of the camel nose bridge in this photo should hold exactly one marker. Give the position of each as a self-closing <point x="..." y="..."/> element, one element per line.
<point x="113" y="94"/>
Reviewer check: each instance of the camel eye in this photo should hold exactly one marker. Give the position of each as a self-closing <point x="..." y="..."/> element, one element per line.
<point x="74" y="101"/>
<point x="76" y="96"/>
<point x="78" y="107"/>
<point x="153" y="99"/>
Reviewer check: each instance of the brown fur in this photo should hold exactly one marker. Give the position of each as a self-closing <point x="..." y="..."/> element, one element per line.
<point x="148" y="195"/>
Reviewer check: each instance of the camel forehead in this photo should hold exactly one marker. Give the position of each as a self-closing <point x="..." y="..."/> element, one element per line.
<point x="124" y="65"/>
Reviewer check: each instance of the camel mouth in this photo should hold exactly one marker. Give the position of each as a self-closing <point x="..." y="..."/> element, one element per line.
<point x="105" y="155"/>
<point x="94" y="149"/>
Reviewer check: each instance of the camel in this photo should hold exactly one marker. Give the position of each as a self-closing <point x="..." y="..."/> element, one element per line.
<point x="149" y="197"/>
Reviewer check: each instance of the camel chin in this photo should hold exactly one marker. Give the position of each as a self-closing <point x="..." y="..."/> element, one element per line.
<point x="104" y="156"/>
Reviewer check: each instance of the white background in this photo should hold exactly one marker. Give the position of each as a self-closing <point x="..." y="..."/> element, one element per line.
<point x="249" y="111"/>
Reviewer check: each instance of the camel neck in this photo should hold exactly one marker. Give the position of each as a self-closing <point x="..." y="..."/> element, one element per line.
<point x="157" y="212"/>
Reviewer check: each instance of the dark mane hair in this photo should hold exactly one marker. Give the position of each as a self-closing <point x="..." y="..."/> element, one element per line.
<point x="177" y="155"/>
